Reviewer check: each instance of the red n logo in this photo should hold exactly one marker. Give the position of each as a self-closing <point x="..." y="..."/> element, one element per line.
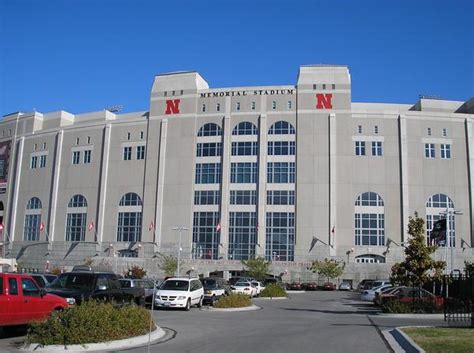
<point x="324" y="101"/>
<point x="172" y="106"/>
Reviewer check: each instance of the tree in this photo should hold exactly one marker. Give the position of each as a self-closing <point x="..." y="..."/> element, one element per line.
<point x="469" y="268"/>
<point x="418" y="267"/>
<point x="135" y="272"/>
<point x="329" y="268"/>
<point x="168" y="264"/>
<point x="257" y="268"/>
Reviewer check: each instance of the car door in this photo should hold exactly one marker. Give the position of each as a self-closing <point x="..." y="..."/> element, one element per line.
<point x="15" y="301"/>
<point x="34" y="306"/>
<point x="101" y="288"/>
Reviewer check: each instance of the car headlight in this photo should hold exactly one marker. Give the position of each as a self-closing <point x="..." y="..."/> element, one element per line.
<point x="71" y="301"/>
<point x="181" y="297"/>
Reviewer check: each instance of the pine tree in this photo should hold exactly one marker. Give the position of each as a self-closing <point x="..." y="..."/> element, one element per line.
<point x="418" y="267"/>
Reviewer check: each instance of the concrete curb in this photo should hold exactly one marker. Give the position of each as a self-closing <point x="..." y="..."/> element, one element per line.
<point x="99" y="347"/>
<point x="413" y="316"/>
<point x="270" y="298"/>
<point x="245" y="308"/>
<point x="400" y="342"/>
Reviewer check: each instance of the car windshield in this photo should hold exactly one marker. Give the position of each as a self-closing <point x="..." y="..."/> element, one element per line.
<point x="209" y="283"/>
<point x="144" y="284"/>
<point x="80" y="281"/>
<point x="175" y="285"/>
<point x="242" y="284"/>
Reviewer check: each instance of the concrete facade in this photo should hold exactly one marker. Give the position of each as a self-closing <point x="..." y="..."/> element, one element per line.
<point x="417" y="158"/>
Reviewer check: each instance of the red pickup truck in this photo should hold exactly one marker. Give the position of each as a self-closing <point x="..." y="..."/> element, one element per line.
<point x="22" y="301"/>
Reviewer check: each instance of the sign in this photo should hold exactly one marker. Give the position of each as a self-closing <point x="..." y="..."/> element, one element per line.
<point x="172" y="106"/>
<point x="256" y="92"/>
<point x="324" y="101"/>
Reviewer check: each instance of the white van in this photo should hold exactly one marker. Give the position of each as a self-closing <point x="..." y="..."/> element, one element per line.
<point x="180" y="292"/>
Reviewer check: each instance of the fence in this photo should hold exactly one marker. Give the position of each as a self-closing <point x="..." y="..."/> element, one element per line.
<point x="458" y="291"/>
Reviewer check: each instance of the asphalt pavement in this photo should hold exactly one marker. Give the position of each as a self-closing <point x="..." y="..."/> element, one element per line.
<point x="306" y="322"/>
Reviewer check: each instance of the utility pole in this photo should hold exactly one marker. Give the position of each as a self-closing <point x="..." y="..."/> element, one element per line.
<point x="180" y="230"/>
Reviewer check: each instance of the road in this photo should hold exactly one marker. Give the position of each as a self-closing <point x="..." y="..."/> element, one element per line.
<point x="306" y="322"/>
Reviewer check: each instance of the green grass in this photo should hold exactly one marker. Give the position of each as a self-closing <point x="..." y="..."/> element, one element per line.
<point x="443" y="340"/>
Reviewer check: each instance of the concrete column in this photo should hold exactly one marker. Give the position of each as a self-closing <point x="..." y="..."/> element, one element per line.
<point x="404" y="188"/>
<point x="160" y="183"/>
<point x="103" y="182"/>
<point x="19" y="160"/>
<point x="262" y="185"/>
<point x="54" y="192"/>
<point x="470" y="158"/>
<point x="225" y="182"/>
<point x="332" y="182"/>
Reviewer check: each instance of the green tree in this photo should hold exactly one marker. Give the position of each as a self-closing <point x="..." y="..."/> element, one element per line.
<point x="168" y="264"/>
<point x="329" y="268"/>
<point x="418" y="267"/>
<point x="469" y="268"/>
<point x="257" y="268"/>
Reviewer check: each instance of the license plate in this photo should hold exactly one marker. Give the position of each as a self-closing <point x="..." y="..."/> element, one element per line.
<point x="166" y="304"/>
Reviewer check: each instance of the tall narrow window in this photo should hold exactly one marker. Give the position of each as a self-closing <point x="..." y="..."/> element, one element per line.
<point x="274" y="105"/>
<point x="445" y="151"/>
<point x="87" y="156"/>
<point x="435" y="207"/>
<point x="34" y="162"/>
<point x="253" y="105"/>
<point x="429" y="150"/>
<point x="203" y="108"/>
<point x="359" y="129"/>
<point x="129" y="135"/>
<point x="76" y="157"/>
<point x="369" y="220"/>
<point x="218" y="107"/>
<point x="142" y="134"/>
<point x="206" y="237"/>
<point x="43" y="161"/>
<point x="289" y="104"/>
<point x="129" y="227"/>
<point x="376" y="129"/>
<point x="127" y="153"/>
<point x="31" y="229"/>
<point x="376" y="148"/>
<point x="360" y="148"/>
<point x="242" y="235"/>
<point x="140" y="152"/>
<point x="428" y="131"/>
<point x="237" y="106"/>
<point x="76" y="219"/>
<point x="445" y="132"/>
<point x="280" y="236"/>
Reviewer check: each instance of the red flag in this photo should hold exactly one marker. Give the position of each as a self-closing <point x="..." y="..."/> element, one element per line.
<point x="257" y="226"/>
<point x="1" y="227"/>
<point x="333" y="230"/>
<point x="218" y="227"/>
<point x="41" y="226"/>
<point x="91" y="226"/>
<point x="151" y="226"/>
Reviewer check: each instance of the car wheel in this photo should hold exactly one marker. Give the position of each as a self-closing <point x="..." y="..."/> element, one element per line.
<point x="200" y="302"/>
<point x="188" y="305"/>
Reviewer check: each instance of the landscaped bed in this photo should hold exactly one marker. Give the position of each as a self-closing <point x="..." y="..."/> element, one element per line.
<point x="442" y="339"/>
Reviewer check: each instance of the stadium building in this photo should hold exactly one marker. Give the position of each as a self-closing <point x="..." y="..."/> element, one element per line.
<point x="218" y="175"/>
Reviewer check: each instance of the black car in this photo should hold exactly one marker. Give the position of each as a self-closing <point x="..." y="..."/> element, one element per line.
<point x="79" y="286"/>
<point x="214" y="288"/>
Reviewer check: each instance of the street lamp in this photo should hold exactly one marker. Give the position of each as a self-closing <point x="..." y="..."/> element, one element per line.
<point x="449" y="214"/>
<point x="180" y="229"/>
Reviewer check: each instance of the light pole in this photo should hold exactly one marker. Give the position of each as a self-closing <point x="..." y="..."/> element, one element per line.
<point x="448" y="238"/>
<point x="273" y="262"/>
<point x="180" y="229"/>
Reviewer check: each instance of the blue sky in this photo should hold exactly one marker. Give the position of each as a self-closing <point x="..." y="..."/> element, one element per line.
<point x="83" y="55"/>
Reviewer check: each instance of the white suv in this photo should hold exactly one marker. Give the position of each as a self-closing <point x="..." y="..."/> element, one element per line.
<point x="180" y="292"/>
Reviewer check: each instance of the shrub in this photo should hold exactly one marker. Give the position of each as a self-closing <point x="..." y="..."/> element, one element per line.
<point x="135" y="272"/>
<point x="234" y="300"/>
<point x="273" y="290"/>
<point x="418" y="306"/>
<point x="91" y="322"/>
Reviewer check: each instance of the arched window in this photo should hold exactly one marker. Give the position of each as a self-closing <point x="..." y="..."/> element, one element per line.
<point x="282" y="128"/>
<point x="245" y="128"/>
<point x="435" y="206"/>
<point x="370" y="259"/>
<point x="210" y="129"/>
<point x="369" y="220"/>
<point x="129" y="227"/>
<point x="31" y="229"/>
<point x="76" y="219"/>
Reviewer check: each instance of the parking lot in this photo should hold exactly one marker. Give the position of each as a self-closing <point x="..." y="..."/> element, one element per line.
<point x="306" y="322"/>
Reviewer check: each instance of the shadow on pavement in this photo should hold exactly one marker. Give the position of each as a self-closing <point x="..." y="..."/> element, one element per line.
<point x="343" y="312"/>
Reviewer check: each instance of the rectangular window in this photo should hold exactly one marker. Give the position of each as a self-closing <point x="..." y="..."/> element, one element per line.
<point x="248" y="148"/>
<point x="289" y="104"/>
<point x="428" y="131"/>
<point x="324" y="86"/>
<point x="280" y="197"/>
<point x="127" y="153"/>
<point x="88" y="139"/>
<point x="242" y="173"/>
<point x="203" y="108"/>
<point x="206" y="237"/>
<point x="142" y="134"/>
<point x="87" y="156"/>
<point x="281" y="172"/>
<point x="253" y="105"/>
<point x="34" y="162"/>
<point x="376" y="148"/>
<point x="360" y="148"/>
<point x="208" y="149"/>
<point x="207" y="197"/>
<point x="445" y="132"/>
<point x="445" y="151"/>
<point x="274" y="105"/>
<point x="243" y="197"/>
<point x="140" y="152"/>
<point x="31" y="229"/>
<point x="333" y="86"/>
<point x="208" y="173"/>
<point x="242" y="235"/>
<point x="76" y="227"/>
<point x="43" y="161"/>
<point x="237" y="106"/>
<point x="129" y="227"/>
<point x="280" y="236"/>
<point x="376" y="129"/>
<point x="359" y="129"/>
<point x="218" y="107"/>
<point x="281" y="148"/>
<point x="429" y="150"/>
<point x="76" y="157"/>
